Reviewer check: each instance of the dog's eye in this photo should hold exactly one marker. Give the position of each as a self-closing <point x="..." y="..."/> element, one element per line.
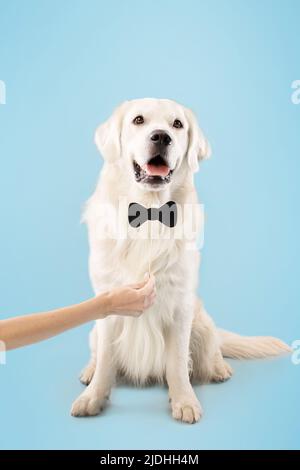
<point x="138" y="120"/>
<point x="178" y="124"/>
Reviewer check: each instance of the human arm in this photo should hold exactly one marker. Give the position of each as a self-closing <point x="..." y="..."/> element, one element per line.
<point x="128" y="300"/>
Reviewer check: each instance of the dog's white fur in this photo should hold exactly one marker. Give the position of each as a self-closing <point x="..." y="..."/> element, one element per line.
<point x="175" y="340"/>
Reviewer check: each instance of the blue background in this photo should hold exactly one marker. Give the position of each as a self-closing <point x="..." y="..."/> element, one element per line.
<point x="66" y="65"/>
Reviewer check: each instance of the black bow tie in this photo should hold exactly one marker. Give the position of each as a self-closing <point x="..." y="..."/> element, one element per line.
<point x="166" y="214"/>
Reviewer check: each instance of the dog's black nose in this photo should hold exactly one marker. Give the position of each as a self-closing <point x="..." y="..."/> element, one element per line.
<point x="160" y="138"/>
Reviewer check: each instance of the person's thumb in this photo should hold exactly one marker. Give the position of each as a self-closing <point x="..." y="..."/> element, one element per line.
<point x="148" y="286"/>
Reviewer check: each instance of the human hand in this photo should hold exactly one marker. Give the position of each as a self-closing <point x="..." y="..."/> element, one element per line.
<point x="133" y="299"/>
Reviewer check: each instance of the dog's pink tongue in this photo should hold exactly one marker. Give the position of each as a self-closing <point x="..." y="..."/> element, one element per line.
<point x="157" y="170"/>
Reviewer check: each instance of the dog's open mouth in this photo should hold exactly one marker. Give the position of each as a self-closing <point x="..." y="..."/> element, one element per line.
<point x="155" y="172"/>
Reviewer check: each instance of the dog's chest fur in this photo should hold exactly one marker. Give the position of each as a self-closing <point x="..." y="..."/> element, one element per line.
<point x="139" y="344"/>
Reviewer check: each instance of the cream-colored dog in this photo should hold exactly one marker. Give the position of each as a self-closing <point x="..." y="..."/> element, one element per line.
<point x="151" y="149"/>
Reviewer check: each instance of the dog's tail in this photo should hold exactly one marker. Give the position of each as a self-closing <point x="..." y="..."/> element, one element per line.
<point x="251" y="347"/>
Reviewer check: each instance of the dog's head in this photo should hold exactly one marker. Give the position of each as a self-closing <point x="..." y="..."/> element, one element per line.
<point x="154" y="138"/>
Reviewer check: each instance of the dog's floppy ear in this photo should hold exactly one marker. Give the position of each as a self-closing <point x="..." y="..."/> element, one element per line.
<point x="198" y="148"/>
<point x="108" y="135"/>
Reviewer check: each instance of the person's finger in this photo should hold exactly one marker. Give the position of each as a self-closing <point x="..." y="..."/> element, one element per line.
<point x="149" y="300"/>
<point x="141" y="284"/>
<point x="138" y="285"/>
<point x="134" y="313"/>
<point x="152" y="296"/>
<point x="148" y="287"/>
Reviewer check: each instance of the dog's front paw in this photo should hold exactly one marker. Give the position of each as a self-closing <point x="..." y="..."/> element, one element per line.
<point x="88" y="404"/>
<point x="187" y="410"/>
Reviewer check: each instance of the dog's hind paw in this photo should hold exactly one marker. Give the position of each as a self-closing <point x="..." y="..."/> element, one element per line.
<point x="87" y="373"/>
<point x="222" y="372"/>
